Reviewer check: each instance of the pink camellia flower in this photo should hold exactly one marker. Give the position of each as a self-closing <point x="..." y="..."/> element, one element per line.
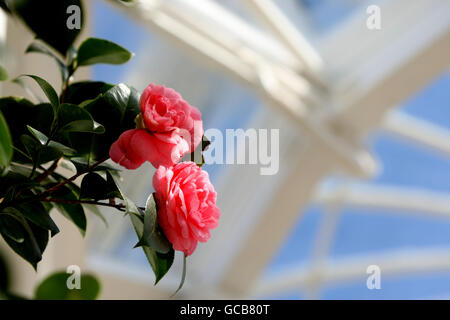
<point x="136" y="146"/>
<point x="168" y="128"/>
<point x="186" y="205"/>
<point x="163" y="110"/>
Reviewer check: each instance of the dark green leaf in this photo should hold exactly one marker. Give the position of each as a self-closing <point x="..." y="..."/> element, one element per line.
<point x="116" y="111"/>
<point x="72" y="118"/>
<point x="22" y="112"/>
<point x="10" y="182"/>
<point x="205" y="143"/>
<point x="152" y="235"/>
<point x="38" y="135"/>
<point x="42" y="138"/>
<point x="83" y="126"/>
<point x="160" y="262"/>
<point x="93" y="186"/>
<point x="93" y="51"/>
<point x="6" y="147"/>
<point x="82" y="164"/>
<point x="49" y="20"/>
<point x="40" y="153"/>
<point x="36" y="213"/>
<point x="55" y="287"/>
<point x="34" y="244"/>
<point x="48" y="91"/>
<point x="73" y="212"/>
<point x="113" y="189"/>
<point x="11" y="227"/>
<point x="67" y="164"/>
<point x="79" y="92"/>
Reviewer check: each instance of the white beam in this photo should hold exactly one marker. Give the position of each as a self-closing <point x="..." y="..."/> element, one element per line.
<point x="401" y="262"/>
<point x="277" y="21"/>
<point x="390" y="198"/>
<point x="395" y="69"/>
<point x="418" y="131"/>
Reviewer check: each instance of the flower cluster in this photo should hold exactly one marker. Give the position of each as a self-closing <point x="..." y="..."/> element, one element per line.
<point x="166" y="129"/>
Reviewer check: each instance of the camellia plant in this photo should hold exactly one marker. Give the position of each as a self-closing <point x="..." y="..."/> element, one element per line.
<point x="81" y="128"/>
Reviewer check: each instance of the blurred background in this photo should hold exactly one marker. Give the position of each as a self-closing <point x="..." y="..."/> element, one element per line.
<point x="364" y="119"/>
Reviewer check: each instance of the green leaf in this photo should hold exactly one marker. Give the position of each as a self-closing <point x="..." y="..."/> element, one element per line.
<point x="93" y="186"/>
<point x="73" y="212"/>
<point x="152" y="236"/>
<point x="55" y="287"/>
<point x="72" y="118"/>
<point x="6" y="146"/>
<point x="82" y="164"/>
<point x="10" y="182"/>
<point x="197" y="155"/>
<point x="94" y="50"/>
<point x="67" y="164"/>
<point x="116" y="111"/>
<point x="39" y="153"/>
<point x="3" y="74"/>
<point x="42" y="138"/>
<point x="48" y="91"/>
<point x="12" y="228"/>
<point x="21" y="113"/>
<point x="79" y="92"/>
<point x="83" y="126"/>
<point x="160" y="262"/>
<point x="205" y="143"/>
<point x="48" y="19"/>
<point x="34" y="244"/>
<point x="42" y="48"/>
<point x="36" y="213"/>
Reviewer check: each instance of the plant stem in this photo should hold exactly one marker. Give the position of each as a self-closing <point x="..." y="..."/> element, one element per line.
<point x="71" y="71"/>
<point x="72" y="178"/>
<point x="49" y="171"/>
<point x="45" y="194"/>
<point x="119" y="206"/>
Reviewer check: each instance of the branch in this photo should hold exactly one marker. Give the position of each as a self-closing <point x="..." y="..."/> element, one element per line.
<point x="119" y="206"/>
<point x="72" y="178"/>
<point x="49" y="171"/>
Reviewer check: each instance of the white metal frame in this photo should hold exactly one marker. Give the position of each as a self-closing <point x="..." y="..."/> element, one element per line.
<point x="335" y="101"/>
